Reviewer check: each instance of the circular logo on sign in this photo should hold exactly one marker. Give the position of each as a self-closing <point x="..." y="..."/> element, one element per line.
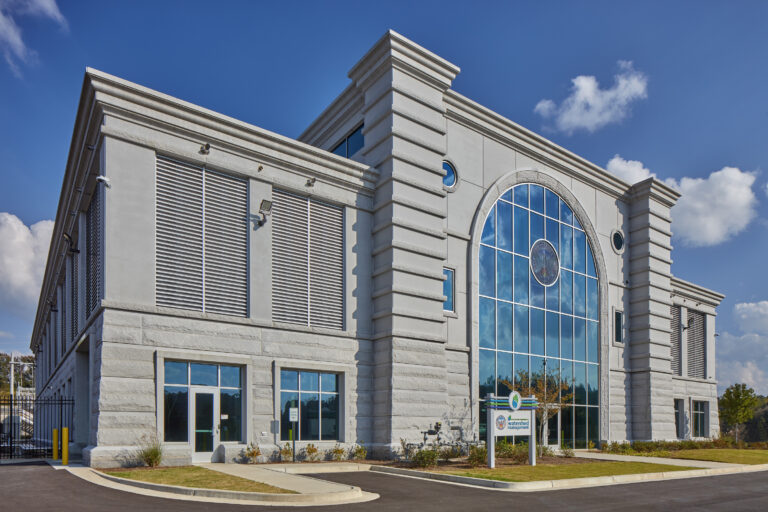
<point x="544" y="262"/>
<point x="501" y="422"/>
<point x="514" y="400"/>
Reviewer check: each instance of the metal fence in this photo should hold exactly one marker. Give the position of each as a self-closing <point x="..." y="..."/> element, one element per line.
<point x="27" y="423"/>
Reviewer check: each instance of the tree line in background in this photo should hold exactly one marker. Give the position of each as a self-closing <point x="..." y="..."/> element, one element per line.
<point x="744" y="414"/>
<point x="25" y="374"/>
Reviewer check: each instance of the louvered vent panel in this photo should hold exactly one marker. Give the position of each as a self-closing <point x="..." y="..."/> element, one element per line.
<point x="226" y="252"/>
<point x="63" y="317"/>
<point x="179" y="247"/>
<point x="73" y="260"/>
<point x="290" y="301"/>
<point x="674" y="341"/>
<point x="93" y="257"/>
<point x="696" y="345"/>
<point x="326" y="265"/>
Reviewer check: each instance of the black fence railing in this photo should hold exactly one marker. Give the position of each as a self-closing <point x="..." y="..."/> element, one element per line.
<point x="27" y="423"/>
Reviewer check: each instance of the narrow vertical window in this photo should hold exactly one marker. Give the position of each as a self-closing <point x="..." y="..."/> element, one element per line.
<point x="448" y="278"/>
<point x="618" y="327"/>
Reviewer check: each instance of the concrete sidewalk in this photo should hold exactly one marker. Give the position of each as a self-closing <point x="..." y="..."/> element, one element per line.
<point x="656" y="460"/>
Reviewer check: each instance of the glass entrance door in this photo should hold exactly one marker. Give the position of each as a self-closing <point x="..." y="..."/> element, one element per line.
<point x="205" y="427"/>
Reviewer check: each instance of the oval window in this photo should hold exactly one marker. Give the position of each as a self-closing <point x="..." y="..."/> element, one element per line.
<point x="618" y="241"/>
<point x="545" y="264"/>
<point x="449" y="180"/>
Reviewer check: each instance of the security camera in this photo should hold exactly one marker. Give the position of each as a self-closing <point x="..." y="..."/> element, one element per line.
<point x="104" y="180"/>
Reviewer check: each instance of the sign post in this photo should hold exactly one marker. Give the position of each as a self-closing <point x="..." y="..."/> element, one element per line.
<point x="511" y="416"/>
<point x="293" y="417"/>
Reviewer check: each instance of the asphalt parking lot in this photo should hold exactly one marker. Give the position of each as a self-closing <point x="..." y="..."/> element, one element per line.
<point x="33" y="487"/>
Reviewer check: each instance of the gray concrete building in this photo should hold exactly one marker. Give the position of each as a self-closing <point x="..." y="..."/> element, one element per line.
<point x="411" y="252"/>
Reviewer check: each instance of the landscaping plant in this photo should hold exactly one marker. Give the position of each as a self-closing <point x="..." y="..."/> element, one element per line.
<point x="252" y="453"/>
<point x="286" y="453"/>
<point x="478" y="455"/>
<point x="150" y="451"/>
<point x="358" y="452"/>
<point x="425" y="458"/>
<point x="311" y="452"/>
<point x="737" y="406"/>
<point x="337" y="453"/>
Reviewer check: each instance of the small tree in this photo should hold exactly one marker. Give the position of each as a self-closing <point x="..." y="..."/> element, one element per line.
<point x="737" y="406"/>
<point x="552" y="394"/>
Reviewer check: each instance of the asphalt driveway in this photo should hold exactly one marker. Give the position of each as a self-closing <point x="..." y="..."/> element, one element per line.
<point x="33" y="487"/>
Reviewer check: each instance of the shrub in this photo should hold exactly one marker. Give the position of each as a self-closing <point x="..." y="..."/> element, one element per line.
<point x="337" y="453"/>
<point x="311" y="452"/>
<point x="251" y="453"/>
<point x="150" y="451"/>
<point x="451" y="452"/>
<point x="517" y="452"/>
<point x="546" y="451"/>
<point x="590" y="445"/>
<point x="478" y="455"/>
<point x="566" y="450"/>
<point x="425" y="458"/>
<point x="286" y="453"/>
<point x="358" y="452"/>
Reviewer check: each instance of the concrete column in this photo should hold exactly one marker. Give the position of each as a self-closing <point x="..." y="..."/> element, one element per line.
<point x="404" y="115"/>
<point x="649" y="316"/>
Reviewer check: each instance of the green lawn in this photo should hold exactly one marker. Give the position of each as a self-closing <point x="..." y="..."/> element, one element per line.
<point x="733" y="456"/>
<point x="195" y="476"/>
<point x="560" y="472"/>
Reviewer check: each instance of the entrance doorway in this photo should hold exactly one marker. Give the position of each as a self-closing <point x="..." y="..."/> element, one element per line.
<point x="205" y="427"/>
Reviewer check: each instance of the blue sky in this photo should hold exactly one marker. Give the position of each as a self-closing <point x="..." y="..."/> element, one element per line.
<point x="700" y="105"/>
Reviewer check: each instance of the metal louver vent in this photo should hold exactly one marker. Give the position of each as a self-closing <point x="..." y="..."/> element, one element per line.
<point x="326" y="265"/>
<point x="226" y="239"/>
<point x="202" y="239"/>
<point x="63" y="317"/>
<point x="73" y="260"/>
<point x="93" y="252"/>
<point x="179" y="228"/>
<point x="307" y="261"/>
<point x="696" y="345"/>
<point x="290" y="258"/>
<point x="674" y="341"/>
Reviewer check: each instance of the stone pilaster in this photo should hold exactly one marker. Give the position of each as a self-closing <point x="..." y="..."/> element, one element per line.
<point x="650" y="246"/>
<point x="404" y="115"/>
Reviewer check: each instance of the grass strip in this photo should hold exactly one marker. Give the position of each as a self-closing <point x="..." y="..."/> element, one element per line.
<point x="195" y="476"/>
<point x="561" y="472"/>
<point x="733" y="456"/>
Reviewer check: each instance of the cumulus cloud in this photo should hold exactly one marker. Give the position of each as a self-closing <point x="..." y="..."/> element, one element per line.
<point x="23" y="255"/>
<point x="752" y="316"/>
<point x="12" y="44"/>
<point x="631" y="171"/>
<point x="589" y="107"/>
<point x="712" y="210"/>
<point x="742" y="359"/>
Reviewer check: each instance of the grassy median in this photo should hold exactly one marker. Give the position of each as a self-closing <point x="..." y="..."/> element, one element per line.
<point x="561" y="472"/>
<point x="195" y="476"/>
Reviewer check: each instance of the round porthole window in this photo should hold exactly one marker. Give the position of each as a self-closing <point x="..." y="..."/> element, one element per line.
<point x="449" y="180"/>
<point x="617" y="240"/>
<point x="545" y="264"/>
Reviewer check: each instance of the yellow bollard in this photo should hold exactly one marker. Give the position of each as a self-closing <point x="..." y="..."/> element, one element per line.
<point x="55" y="444"/>
<point x="64" y="446"/>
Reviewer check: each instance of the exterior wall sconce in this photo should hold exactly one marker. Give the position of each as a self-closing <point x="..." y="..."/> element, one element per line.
<point x="311" y="182"/>
<point x="205" y="149"/>
<point x="71" y="243"/>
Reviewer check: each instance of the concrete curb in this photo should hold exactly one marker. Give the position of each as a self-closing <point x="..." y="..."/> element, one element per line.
<point x="569" y="483"/>
<point x="351" y="494"/>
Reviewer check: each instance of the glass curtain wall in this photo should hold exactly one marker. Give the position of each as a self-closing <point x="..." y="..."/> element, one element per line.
<point x="539" y="316"/>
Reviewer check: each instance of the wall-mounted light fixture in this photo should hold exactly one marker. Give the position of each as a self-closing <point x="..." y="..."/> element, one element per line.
<point x="690" y="324"/>
<point x="205" y="149"/>
<point x="104" y="180"/>
<point x="265" y="208"/>
<point x="71" y="243"/>
<point x="311" y="182"/>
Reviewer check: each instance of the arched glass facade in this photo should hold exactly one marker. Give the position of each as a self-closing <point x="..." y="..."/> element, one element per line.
<point x="528" y="329"/>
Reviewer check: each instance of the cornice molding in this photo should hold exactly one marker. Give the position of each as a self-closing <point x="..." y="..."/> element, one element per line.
<point x="696" y="292"/>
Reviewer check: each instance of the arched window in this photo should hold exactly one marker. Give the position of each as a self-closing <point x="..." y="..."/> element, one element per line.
<point x="539" y="308"/>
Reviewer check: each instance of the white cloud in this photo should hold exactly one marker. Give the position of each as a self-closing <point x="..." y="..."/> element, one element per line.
<point x="714" y="209"/>
<point x="23" y="254"/>
<point x="12" y="44"/>
<point x="742" y="359"/>
<point x="631" y="171"/>
<point x="589" y="107"/>
<point x="752" y="316"/>
<point x="5" y="334"/>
